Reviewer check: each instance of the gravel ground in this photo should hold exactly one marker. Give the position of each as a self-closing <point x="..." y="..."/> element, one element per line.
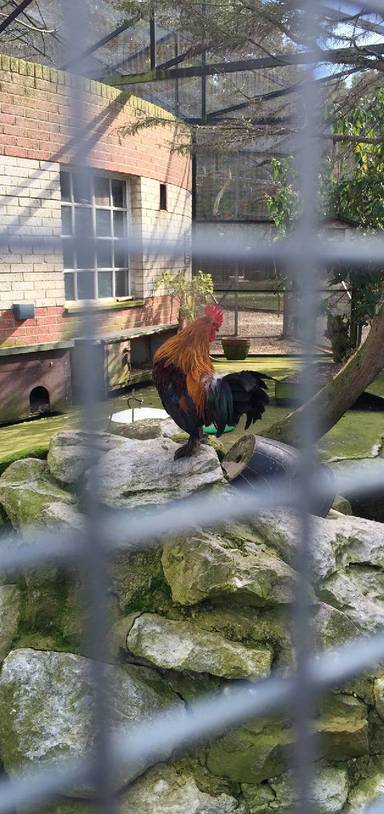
<point x="265" y="329"/>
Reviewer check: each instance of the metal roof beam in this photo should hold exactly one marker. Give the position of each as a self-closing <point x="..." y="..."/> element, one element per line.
<point x="14" y="14"/>
<point x="141" y="53"/>
<point x="332" y="55"/>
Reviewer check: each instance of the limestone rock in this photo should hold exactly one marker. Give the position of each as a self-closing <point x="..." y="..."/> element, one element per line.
<point x="366" y="791"/>
<point x="358" y="592"/>
<point x="27" y="492"/>
<point x="209" y="565"/>
<point x="280" y="531"/>
<point x="252" y="753"/>
<point x="183" y="646"/>
<point x="70" y="451"/>
<point x="141" y="473"/>
<point x="46" y="705"/>
<point x="342" y="505"/>
<point x="259" y="750"/>
<point x="9" y="617"/>
<point x="62" y="514"/>
<point x="259" y="799"/>
<point x="163" y="790"/>
<point x="343" y="728"/>
<point x="253" y="626"/>
<point x="332" y="626"/>
<point x="378" y="690"/>
<point x="328" y="793"/>
<point x="146" y="428"/>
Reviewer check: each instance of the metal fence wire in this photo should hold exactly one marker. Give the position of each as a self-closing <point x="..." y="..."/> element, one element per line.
<point x="107" y="534"/>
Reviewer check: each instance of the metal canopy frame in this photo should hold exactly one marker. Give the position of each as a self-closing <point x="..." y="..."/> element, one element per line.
<point x="13" y="15"/>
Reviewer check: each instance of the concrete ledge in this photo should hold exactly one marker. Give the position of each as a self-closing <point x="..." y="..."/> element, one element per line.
<point x="132" y="333"/>
<point x="16" y="350"/>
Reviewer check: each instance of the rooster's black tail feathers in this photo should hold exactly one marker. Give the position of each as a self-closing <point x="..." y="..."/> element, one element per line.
<point x="238" y="394"/>
<point x="249" y="395"/>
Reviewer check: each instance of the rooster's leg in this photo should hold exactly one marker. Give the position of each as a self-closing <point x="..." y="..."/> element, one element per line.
<point x="190" y="448"/>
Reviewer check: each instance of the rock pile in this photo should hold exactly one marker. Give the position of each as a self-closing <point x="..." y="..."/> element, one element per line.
<point x="194" y="615"/>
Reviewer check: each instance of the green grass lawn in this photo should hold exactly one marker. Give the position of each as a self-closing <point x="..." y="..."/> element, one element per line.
<point x="356" y="435"/>
<point x="252" y="300"/>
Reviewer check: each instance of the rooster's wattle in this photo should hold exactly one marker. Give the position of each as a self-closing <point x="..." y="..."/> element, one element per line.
<point x="193" y="394"/>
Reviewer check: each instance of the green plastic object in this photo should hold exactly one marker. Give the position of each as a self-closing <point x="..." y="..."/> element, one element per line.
<point x="211" y="430"/>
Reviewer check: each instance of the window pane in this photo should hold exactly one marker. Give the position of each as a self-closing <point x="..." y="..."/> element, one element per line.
<point x="69" y="283"/>
<point x="85" y="255"/>
<point x="102" y="191"/>
<point x="103" y="222"/>
<point x="83" y="222"/>
<point x="66" y="220"/>
<point x="118" y="193"/>
<point x="119" y="221"/>
<point x="121" y="257"/>
<point x="68" y="254"/>
<point x="81" y="187"/>
<point x="121" y="283"/>
<point x="104" y="281"/>
<point x="65" y="184"/>
<point x="104" y="254"/>
<point x="85" y="285"/>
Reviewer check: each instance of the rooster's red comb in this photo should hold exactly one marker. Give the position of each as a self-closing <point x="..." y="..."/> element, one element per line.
<point x="215" y="313"/>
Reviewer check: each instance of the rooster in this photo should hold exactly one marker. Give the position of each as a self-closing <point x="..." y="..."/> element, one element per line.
<point x="193" y="394"/>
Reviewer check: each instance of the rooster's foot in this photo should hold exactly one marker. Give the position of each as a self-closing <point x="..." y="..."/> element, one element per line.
<point x="187" y="450"/>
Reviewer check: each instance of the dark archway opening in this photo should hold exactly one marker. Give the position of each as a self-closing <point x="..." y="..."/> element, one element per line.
<point x="39" y="401"/>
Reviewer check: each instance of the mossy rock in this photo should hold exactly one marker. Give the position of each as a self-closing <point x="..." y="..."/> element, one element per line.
<point x="47" y="702"/>
<point x="185" y="647"/>
<point x="209" y="565"/>
<point x="27" y="491"/>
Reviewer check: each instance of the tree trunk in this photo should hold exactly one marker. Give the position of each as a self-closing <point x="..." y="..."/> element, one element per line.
<point x="332" y="401"/>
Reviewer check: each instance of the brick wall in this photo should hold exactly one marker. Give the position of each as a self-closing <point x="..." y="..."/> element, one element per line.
<point x="35" y="140"/>
<point x="36" y="122"/>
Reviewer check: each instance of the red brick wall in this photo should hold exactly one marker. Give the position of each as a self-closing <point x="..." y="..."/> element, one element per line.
<point x="36" y="122"/>
<point x="52" y="324"/>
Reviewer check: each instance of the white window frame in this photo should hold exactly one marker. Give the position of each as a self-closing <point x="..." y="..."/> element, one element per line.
<point x="73" y="205"/>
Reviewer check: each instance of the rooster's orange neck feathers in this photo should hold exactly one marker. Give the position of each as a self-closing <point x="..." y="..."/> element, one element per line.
<point x="189" y="351"/>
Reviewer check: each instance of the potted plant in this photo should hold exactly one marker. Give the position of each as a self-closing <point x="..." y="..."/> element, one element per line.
<point x="235" y="347"/>
<point x="190" y="293"/>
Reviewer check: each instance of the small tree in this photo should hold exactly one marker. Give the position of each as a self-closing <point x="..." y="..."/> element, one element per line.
<point x="355" y="191"/>
<point x="190" y="293"/>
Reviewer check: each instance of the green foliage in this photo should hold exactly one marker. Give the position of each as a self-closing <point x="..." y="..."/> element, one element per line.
<point x="284" y="205"/>
<point x="351" y="189"/>
<point x="190" y="293"/>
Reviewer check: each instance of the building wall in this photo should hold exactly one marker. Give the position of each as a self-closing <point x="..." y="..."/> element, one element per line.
<point x="37" y="139"/>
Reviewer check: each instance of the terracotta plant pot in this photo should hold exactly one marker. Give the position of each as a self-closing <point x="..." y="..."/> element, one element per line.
<point x="236" y="347"/>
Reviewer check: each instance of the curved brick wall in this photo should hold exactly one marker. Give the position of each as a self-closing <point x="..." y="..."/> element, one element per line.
<point x="35" y="123"/>
<point x="36" y="139"/>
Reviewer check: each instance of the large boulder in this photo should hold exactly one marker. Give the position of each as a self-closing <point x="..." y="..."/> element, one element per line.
<point x="10" y="606"/>
<point x="72" y="451"/>
<point x="183" y="646"/>
<point x="47" y="701"/>
<point x="28" y="494"/>
<point x="207" y="565"/>
<point x="145" y="472"/>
